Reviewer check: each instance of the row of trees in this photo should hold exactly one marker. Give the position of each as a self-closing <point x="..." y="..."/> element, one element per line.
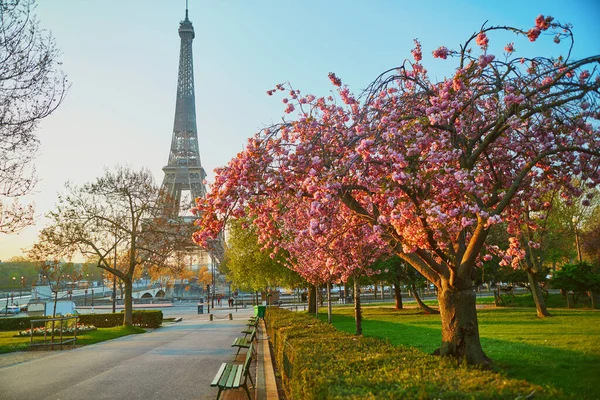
<point x="20" y="272"/>
<point x="120" y="221"/>
<point x="422" y="170"/>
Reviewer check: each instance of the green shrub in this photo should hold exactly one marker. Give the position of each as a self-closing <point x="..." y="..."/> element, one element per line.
<point x="17" y="324"/>
<point x="142" y="318"/>
<point x="316" y="361"/>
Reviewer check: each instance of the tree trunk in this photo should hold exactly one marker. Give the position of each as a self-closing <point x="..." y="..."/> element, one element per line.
<point x="128" y="302"/>
<point x="320" y="294"/>
<point x="538" y="296"/>
<point x="398" y="296"/>
<point x="357" y="310"/>
<point x="53" y="315"/>
<point x="382" y="291"/>
<point x="312" y="300"/>
<point x="594" y="298"/>
<point x="54" y="308"/>
<point x="329" y="302"/>
<point x="460" y="329"/>
<point x="114" y="295"/>
<point x="346" y="291"/>
<point x="426" y="309"/>
<point x="318" y="300"/>
<point x="497" y="298"/>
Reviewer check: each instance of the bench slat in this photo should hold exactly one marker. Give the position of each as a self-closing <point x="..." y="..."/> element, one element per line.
<point x="218" y="375"/>
<point x="231" y="377"/>
<point x="225" y="377"/>
<point x="238" y="377"/>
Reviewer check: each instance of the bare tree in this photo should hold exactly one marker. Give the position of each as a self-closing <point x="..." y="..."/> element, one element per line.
<point x="118" y="219"/>
<point x="32" y="86"/>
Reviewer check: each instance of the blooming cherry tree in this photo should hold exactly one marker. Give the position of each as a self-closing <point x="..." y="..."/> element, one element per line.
<point x="428" y="167"/>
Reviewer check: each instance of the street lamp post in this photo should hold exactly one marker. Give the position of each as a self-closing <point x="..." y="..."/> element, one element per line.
<point x="114" y="294"/>
<point x="214" y="292"/>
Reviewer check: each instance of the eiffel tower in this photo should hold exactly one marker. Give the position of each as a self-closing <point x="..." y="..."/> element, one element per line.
<point x="184" y="171"/>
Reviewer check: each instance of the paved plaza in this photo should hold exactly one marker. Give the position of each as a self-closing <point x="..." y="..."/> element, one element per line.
<point x="177" y="361"/>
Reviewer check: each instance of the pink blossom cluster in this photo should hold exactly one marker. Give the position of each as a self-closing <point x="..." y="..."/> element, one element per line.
<point x="482" y="40"/>
<point x="441" y="52"/>
<point x="417" y="52"/>
<point x="541" y="24"/>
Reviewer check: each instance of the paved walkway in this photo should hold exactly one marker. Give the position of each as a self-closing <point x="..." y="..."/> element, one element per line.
<point x="177" y="361"/>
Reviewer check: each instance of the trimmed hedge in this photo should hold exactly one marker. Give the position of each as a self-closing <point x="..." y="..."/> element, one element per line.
<point x="17" y="324"/>
<point x="316" y="361"/>
<point x="141" y="318"/>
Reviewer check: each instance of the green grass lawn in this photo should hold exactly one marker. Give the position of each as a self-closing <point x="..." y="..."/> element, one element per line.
<point x="563" y="351"/>
<point x="9" y="342"/>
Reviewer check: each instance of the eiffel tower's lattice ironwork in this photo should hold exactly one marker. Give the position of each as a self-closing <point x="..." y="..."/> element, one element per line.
<point x="184" y="171"/>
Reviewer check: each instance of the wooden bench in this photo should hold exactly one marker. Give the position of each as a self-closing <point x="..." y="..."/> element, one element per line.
<point x="249" y="326"/>
<point x="243" y="343"/>
<point x="232" y="376"/>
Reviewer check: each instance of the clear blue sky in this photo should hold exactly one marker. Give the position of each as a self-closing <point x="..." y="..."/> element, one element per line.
<point x="122" y="56"/>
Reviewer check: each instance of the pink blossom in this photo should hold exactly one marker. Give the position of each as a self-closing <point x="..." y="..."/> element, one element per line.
<point x="546" y="81"/>
<point x="533" y="34"/>
<point x="441" y="52"/>
<point x="416" y="52"/>
<point x="509" y="48"/>
<point x="485" y="59"/>
<point x="487" y="257"/>
<point x="334" y="79"/>
<point x="543" y="23"/>
<point x="583" y="76"/>
<point x="482" y="40"/>
<point x="511" y="99"/>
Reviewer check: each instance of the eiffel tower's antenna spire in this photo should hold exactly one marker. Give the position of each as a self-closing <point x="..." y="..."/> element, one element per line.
<point x="186" y="9"/>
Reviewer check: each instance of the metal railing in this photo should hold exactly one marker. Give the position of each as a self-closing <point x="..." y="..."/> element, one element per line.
<point x="53" y="336"/>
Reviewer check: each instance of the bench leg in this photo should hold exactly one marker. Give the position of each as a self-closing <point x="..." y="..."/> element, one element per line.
<point x="219" y="394"/>
<point x="247" y="391"/>
<point x="251" y="381"/>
